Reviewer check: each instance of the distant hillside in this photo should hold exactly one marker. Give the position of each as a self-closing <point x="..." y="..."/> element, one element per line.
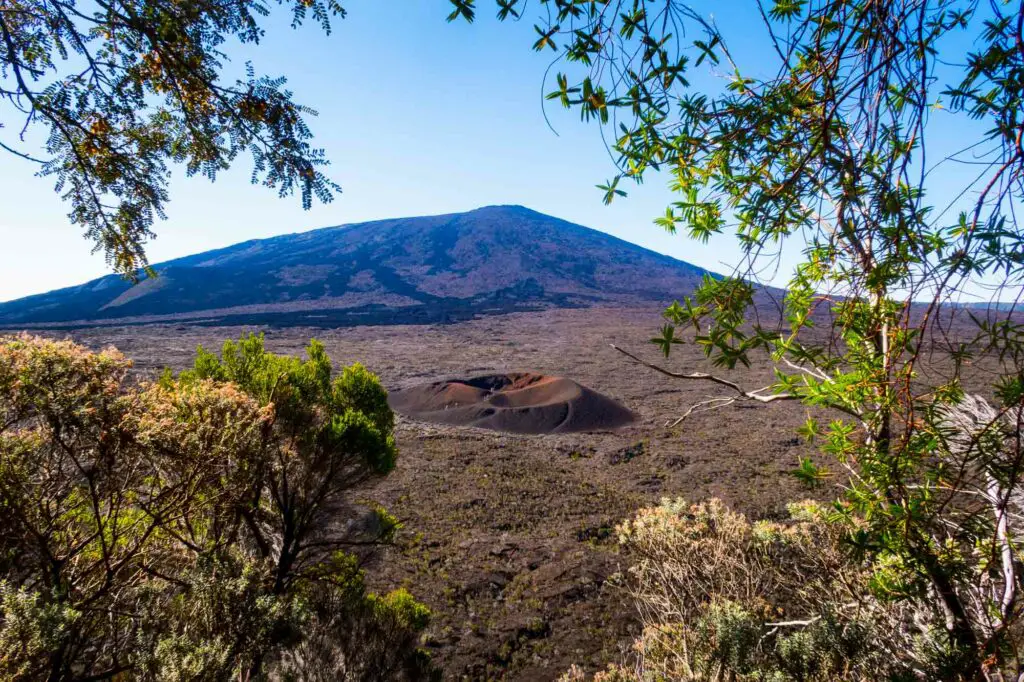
<point x="429" y="269"/>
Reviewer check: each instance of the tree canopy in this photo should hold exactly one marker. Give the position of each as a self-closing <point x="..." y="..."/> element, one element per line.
<point x="830" y="146"/>
<point x="124" y="89"/>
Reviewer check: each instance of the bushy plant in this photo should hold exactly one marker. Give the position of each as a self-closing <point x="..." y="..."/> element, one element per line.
<point x="722" y="597"/>
<point x="197" y="528"/>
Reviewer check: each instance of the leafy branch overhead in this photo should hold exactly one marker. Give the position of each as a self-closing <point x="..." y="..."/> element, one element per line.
<point x="122" y="89"/>
<point x="829" y="157"/>
<point x="809" y="149"/>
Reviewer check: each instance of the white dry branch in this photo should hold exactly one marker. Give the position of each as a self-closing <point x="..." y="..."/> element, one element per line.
<point x="739" y="393"/>
<point x="984" y="444"/>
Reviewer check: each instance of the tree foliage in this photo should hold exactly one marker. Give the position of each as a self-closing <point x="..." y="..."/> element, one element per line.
<point x="120" y="88"/>
<point x="200" y="527"/>
<point x="831" y="147"/>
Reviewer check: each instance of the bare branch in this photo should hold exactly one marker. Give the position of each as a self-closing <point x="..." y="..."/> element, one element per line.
<point x="703" y="376"/>
<point x="702" y="406"/>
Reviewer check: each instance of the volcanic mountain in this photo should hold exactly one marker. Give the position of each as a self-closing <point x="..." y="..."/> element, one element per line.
<point x="406" y="270"/>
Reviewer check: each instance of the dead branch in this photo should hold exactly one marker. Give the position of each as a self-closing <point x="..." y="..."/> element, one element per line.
<point x="713" y="403"/>
<point x="702" y="406"/>
<point x="741" y="393"/>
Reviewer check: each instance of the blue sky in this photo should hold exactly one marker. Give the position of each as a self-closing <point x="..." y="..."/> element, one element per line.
<point x="418" y="117"/>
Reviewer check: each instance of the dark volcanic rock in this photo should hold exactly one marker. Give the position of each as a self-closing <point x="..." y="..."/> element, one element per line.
<point x="410" y="270"/>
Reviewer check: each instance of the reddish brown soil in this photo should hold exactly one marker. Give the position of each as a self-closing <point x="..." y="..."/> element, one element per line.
<point x="509" y="538"/>
<point x="519" y="402"/>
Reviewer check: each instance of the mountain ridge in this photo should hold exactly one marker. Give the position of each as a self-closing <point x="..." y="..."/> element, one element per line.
<point x="422" y="269"/>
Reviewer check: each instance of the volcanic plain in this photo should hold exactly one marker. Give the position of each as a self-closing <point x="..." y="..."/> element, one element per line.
<point x="509" y="537"/>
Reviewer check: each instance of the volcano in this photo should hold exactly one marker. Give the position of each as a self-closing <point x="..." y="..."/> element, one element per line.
<point x="520" y="402"/>
<point x="442" y="268"/>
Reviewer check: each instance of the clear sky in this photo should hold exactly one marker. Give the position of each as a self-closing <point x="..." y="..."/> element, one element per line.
<point x="418" y="117"/>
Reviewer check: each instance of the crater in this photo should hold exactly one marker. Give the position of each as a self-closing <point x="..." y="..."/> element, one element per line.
<point x="518" y="402"/>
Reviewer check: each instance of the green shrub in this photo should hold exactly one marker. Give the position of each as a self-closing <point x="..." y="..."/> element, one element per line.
<point x="198" y="528"/>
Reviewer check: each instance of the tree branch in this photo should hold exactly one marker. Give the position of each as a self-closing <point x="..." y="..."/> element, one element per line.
<point x="703" y="376"/>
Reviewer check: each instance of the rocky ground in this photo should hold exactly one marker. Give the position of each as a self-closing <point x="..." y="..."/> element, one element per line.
<point x="510" y="538"/>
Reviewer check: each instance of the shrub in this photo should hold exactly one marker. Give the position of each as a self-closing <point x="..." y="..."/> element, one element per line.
<point x="198" y="528"/>
<point x="724" y="598"/>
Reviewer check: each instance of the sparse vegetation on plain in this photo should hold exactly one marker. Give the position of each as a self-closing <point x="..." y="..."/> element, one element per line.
<point x="501" y="530"/>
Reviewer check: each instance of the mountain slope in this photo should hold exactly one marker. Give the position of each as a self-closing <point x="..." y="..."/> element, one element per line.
<point x="429" y="269"/>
